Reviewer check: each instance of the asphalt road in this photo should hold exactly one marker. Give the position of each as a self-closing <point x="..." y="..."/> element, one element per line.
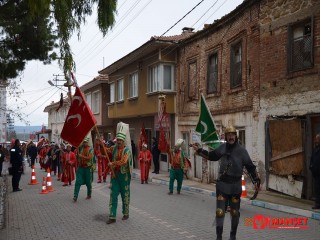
<point x="153" y="215"/>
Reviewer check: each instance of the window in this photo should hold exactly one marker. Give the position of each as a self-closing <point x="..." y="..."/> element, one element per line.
<point x="300" y="45"/>
<point x="112" y="93"/>
<point x="236" y="65"/>
<point x="242" y="136"/>
<point x="88" y="99"/>
<point x="96" y="102"/>
<point x="192" y="80"/>
<point x="161" y="78"/>
<point x="133" y="85"/>
<point x="212" y="79"/>
<point x="120" y="90"/>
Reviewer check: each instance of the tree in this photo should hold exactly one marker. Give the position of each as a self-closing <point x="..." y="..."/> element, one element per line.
<point x="32" y="30"/>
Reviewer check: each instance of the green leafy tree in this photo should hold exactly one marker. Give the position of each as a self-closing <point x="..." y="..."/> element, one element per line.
<point x="33" y="29"/>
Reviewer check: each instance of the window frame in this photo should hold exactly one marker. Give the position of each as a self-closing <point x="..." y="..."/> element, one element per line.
<point x="156" y="77"/>
<point x="96" y="107"/>
<point x="120" y="92"/>
<point x="135" y="93"/>
<point x="234" y="66"/>
<point x="192" y="92"/>
<point x="88" y="99"/>
<point x="216" y="80"/>
<point x="291" y="40"/>
<point x="112" y="92"/>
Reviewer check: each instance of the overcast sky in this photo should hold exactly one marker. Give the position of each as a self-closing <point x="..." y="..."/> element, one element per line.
<point x="136" y="22"/>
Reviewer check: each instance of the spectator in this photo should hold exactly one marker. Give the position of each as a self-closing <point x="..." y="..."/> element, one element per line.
<point x="155" y="155"/>
<point x="16" y="161"/>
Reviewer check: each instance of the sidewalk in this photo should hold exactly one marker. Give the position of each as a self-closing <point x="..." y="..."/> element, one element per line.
<point x="265" y="199"/>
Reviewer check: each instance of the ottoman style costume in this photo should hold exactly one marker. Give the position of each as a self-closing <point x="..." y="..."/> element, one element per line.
<point x="84" y="175"/>
<point x="144" y="157"/>
<point x="178" y="162"/>
<point x="68" y="161"/>
<point x="121" y="168"/>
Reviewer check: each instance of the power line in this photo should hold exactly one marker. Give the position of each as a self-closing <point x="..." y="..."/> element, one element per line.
<point x="182" y="17"/>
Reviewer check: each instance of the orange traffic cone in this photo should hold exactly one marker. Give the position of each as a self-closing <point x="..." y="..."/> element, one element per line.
<point x="44" y="186"/>
<point x="49" y="182"/>
<point x="244" y="192"/>
<point x="33" y="180"/>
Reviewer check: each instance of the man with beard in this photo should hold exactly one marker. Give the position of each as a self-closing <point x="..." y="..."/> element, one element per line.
<point x="233" y="158"/>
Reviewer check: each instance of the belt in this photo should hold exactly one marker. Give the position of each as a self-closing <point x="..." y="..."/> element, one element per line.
<point x="174" y="167"/>
<point x="229" y="179"/>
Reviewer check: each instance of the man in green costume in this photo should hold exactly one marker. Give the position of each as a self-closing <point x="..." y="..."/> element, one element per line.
<point x="121" y="169"/>
<point x="85" y="169"/>
<point x="178" y="162"/>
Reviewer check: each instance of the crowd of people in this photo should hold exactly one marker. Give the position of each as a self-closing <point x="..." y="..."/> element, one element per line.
<point x="117" y="159"/>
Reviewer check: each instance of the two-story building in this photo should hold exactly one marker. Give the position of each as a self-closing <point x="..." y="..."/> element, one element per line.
<point x="139" y="81"/>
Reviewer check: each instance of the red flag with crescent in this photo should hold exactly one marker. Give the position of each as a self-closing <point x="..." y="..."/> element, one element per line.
<point x="79" y="120"/>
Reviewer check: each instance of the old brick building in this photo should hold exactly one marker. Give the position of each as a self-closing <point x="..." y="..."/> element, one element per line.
<point x="258" y="68"/>
<point x="222" y="62"/>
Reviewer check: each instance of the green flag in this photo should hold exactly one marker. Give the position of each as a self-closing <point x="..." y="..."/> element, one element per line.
<point x="206" y="126"/>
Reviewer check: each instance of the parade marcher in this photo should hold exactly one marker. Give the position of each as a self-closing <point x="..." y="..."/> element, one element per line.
<point x="315" y="169"/>
<point x="84" y="173"/>
<point x="155" y="155"/>
<point x="145" y="161"/>
<point x="101" y="160"/>
<point x="178" y="164"/>
<point x="16" y="161"/>
<point x="50" y="153"/>
<point x="121" y="170"/>
<point x="68" y="162"/>
<point x="32" y="153"/>
<point x="233" y="158"/>
<point x="56" y="160"/>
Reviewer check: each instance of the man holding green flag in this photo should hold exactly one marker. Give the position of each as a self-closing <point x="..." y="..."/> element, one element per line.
<point x="206" y="126"/>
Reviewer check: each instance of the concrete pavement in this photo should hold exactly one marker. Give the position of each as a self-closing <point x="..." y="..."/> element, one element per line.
<point x="265" y="199"/>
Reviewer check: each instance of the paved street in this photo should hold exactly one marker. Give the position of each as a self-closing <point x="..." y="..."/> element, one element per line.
<point x="153" y="215"/>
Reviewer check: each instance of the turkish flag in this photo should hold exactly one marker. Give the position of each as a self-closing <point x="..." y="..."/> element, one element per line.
<point x="79" y="120"/>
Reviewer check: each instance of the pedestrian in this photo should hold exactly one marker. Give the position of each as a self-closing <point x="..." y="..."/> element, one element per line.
<point x="121" y="169"/>
<point x="68" y="162"/>
<point x="145" y="162"/>
<point x="84" y="173"/>
<point x="16" y="161"/>
<point x="233" y="158"/>
<point x="1" y="159"/>
<point x="133" y="150"/>
<point x="155" y="155"/>
<point x="315" y="169"/>
<point x="101" y="160"/>
<point x="56" y="160"/>
<point x="32" y="153"/>
<point x="178" y="163"/>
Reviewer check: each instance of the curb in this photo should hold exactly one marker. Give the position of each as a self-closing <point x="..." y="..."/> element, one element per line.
<point x="256" y="203"/>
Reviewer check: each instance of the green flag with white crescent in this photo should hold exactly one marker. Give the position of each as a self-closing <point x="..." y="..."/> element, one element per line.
<point x="206" y="126"/>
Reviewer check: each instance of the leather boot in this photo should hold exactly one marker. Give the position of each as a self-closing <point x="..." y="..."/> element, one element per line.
<point x="233" y="234"/>
<point x="219" y="231"/>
